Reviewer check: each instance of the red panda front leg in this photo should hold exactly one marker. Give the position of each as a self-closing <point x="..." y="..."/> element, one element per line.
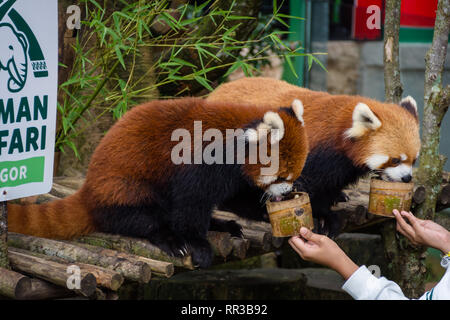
<point x="192" y="223"/>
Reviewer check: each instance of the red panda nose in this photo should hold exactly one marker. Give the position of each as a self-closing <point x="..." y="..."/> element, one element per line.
<point x="406" y="178"/>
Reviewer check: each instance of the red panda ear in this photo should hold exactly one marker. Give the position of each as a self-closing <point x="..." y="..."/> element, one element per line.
<point x="410" y="105"/>
<point x="297" y="107"/>
<point x="363" y="121"/>
<point x="271" y="123"/>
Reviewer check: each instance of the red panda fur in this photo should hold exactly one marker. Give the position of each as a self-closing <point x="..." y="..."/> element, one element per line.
<point x="132" y="168"/>
<point x="328" y="116"/>
<point x="334" y="161"/>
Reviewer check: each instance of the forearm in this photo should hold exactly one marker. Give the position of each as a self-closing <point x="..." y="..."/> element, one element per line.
<point x="344" y="266"/>
<point x="445" y="246"/>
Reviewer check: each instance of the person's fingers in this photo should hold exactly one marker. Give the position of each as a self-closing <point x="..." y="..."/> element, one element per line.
<point x="403" y="227"/>
<point x="296" y="244"/>
<point x="412" y="219"/>
<point x="309" y="235"/>
<point x="403" y="232"/>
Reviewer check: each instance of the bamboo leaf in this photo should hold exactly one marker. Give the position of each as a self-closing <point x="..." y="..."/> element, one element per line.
<point x="203" y="82"/>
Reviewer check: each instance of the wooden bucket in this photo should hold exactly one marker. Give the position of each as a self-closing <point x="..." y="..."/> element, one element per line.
<point x="386" y="196"/>
<point x="288" y="216"/>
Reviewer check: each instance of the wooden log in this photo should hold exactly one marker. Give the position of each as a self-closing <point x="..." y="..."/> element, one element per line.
<point x="12" y="284"/>
<point x="103" y="294"/>
<point x="74" y="183"/>
<point x="258" y="239"/>
<point x="121" y="262"/>
<point x="61" y="191"/>
<point x="419" y="195"/>
<point x="249" y="224"/>
<point x="221" y="243"/>
<point x="141" y="248"/>
<point x="20" y="287"/>
<point x="51" y="271"/>
<point x="105" y="277"/>
<point x="240" y="247"/>
<point x="43" y="290"/>
<point x="99" y="294"/>
<point x="160" y="268"/>
<point x="444" y="196"/>
<point x="277" y="242"/>
<point x="445" y="177"/>
<point x="245" y="223"/>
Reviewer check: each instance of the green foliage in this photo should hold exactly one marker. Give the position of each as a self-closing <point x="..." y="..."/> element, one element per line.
<point x="110" y="45"/>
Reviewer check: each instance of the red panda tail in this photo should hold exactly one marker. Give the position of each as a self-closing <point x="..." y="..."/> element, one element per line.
<point x="60" y="219"/>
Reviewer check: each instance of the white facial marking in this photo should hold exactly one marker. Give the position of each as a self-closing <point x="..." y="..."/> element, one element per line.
<point x="265" y="180"/>
<point x="376" y="161"/>
<point x="278" y="189"/>
<point x="398" y="172"/>
<point x="403" y="157"/>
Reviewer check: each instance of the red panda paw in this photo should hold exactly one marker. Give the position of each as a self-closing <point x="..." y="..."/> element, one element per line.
<point x="173" y="245"/>
<point x="201" y="252"/>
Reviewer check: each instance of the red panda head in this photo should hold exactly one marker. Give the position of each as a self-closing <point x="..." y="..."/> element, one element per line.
<point x="386" y="137"/>
<point x="284" y="135"/>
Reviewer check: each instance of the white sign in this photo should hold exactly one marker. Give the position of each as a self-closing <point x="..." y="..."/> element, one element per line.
<point x="28" y="92"/>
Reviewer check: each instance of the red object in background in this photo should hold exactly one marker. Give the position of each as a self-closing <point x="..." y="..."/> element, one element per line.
<point x="361" y="29"/>
<point x="418" y="13"/>
<point x="414" y="13"/>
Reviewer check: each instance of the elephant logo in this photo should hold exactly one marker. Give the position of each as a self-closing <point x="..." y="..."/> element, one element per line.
<point x="13" y="57"/>
<point x="18" y="47"/>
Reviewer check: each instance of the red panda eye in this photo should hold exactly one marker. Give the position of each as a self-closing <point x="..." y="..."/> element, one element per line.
<point x="395" y="160"/>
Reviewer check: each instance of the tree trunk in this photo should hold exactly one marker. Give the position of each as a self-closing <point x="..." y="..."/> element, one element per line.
<point x="408" y="262"/>
<point x="392" y="84"/>
<point x="4" y="263"/>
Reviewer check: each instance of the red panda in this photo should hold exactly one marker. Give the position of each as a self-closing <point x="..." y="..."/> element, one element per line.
<point x="133" y="187"/>
<point x="348" y="137"/>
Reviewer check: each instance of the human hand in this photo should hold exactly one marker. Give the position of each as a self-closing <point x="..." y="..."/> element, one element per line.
<point x="322" y="250"/>
<point x="423" y="232"/>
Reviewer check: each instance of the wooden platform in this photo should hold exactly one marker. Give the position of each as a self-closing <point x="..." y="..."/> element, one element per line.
<point x="112" y="266"/>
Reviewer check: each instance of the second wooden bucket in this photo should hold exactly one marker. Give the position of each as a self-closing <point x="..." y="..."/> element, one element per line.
<point x="386" y="196"/>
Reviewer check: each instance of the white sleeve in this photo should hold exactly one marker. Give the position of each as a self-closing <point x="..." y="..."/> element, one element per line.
<point x="441" y="291"/>
<point x="363" y="285"/>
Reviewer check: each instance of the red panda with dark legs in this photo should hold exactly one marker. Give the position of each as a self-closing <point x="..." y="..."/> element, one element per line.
<point x="348" y="136"/>
<point x="133" y="187"/>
